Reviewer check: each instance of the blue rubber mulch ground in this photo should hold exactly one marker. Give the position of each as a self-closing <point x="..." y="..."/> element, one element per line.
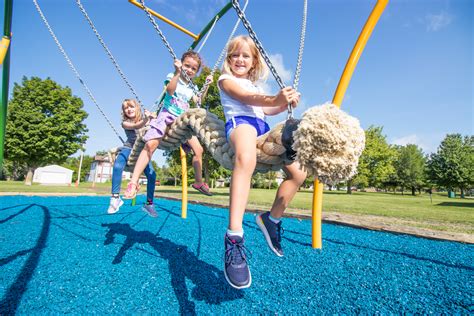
<point x="65" y="255"/>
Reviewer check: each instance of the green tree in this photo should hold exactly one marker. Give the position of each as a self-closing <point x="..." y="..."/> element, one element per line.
<point x="44" y="124"/>
<point x="174" y="170"/>
<point x="410" y="167"/>
<point x="13" y="170"/>
<point x="376" y="162"/>
<point x="452" y="166"/>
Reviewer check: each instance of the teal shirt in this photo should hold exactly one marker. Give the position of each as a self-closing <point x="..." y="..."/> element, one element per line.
<point x="178" y="103"/>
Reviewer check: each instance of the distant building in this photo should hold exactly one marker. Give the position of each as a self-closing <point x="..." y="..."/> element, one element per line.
<point x="102" y="168"/>
<point x="53" y="174"/>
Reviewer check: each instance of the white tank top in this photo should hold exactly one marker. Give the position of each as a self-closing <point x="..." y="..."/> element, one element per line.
<point x="234" y="107"/>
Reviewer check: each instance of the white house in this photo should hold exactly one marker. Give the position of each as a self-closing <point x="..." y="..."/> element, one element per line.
<point x="53" y="174"/>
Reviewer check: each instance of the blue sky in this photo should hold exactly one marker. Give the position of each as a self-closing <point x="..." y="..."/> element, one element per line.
<point x="414" y="78"/>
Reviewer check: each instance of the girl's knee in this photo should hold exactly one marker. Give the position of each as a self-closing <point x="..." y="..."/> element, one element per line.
<point x="245" y="159"/>
<point x="151" y="146"/>
<point x="298" y="175"/>
<point x="198" y="151"/>
<point x="301" y="177"/>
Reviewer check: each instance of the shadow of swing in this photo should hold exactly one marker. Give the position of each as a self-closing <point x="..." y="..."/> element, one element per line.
<point x="13" y="295"/>
<point x="209" y="281"/>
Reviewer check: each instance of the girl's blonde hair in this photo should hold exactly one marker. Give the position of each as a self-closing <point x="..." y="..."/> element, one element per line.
<point x="259" y="70"/>
<point x="138" y="110"/>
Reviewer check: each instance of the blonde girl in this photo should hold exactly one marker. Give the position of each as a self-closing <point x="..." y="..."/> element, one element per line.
<point x="245" y="107"/>
<point x="132" y="120"/>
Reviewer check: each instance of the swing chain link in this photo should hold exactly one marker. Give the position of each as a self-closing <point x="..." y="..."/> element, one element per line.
<point x="71" y="65"/>
<point x="253" y="36"/>
<point x="301" y="47"/>
<point x="170" y="49"/>
<point x="222" y="54"/>
<point x="109" y="53"/>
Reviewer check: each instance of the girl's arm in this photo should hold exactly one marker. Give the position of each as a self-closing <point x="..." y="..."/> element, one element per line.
<point x="278" y="109"/>
<point x="171" y="87"/>
<point x="275" y="104"/>
<point x="209" y="80"/>
<point x="137" y="125"/>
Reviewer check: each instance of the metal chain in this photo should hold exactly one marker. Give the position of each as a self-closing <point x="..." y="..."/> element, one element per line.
<point x="114" y="61"/>
<point x="168" y="46"/>
<point x="253" y="36"/>
<point x="301" y="47"/>
<point x="223" y="52"/>
<point x="75" y="70"/>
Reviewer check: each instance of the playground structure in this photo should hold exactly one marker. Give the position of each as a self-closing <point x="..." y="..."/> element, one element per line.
<point x="337" y="99"/>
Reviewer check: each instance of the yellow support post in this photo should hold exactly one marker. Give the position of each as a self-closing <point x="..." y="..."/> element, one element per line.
<point x="317" y="241"/>
<point x="184" y="178"/>
<point x="159" y="16"/>
<point x="4" y="44"/>
<point x="337" y="100"/>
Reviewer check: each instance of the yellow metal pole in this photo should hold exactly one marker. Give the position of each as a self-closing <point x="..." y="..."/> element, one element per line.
<point x="184" y="178"/>
<point x="4" y="44"/>
<point x="337" y="100"/>
<point x="317" y="215"/>
<point x="159" y="16"/>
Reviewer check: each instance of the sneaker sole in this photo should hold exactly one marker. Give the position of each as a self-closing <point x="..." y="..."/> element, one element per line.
<point x="236" y="286"/>
<point x="117" y="209"/>
<point x="260" y="224"/>
<point x="148" y="213"/>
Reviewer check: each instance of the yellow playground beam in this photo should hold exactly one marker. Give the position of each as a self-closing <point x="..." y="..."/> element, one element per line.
<point x="159" y="16"/>
<point x="337" y="100"/>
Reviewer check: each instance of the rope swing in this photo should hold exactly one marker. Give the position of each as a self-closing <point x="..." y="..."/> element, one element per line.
<point x="327" y="143"/>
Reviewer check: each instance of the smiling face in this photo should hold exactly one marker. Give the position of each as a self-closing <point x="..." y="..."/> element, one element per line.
<point x="129" y="110"/>
<point x="190" y="66"/>
<point x="241" y="60"/>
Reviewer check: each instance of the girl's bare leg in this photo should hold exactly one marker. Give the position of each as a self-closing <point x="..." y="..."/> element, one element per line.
<point x="197" y="158"/>
<point x="144" y="159"/>
<point x="288" y="188"/>
<point x="243" y="140"/>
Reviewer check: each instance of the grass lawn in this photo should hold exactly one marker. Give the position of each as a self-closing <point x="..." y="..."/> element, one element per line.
<point x="443" y="213"/>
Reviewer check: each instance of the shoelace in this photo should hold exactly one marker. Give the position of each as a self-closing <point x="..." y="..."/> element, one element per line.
<point x="237" y="253"/>
<point x="280" y="231"/>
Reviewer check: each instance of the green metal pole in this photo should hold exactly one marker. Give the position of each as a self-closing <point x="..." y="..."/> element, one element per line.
<point x="7" y="29"/>
<point x="208" y="26"/>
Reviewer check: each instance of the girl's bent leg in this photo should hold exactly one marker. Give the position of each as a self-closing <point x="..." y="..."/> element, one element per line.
<point x="144" y="159"/>
<point x="270" y="222"/>
<point x="294" y="179"/>
<point x="197" y="158"/>
<point x="199" y="183"/>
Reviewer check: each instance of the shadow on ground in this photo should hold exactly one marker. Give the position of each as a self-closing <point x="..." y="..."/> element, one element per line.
<point x="210" y="285"/>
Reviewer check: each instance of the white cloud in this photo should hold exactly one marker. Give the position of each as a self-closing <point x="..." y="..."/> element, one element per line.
<point x="284" y="73"/>
<point x="414" y="140"/>
<point x="435" y="22"/>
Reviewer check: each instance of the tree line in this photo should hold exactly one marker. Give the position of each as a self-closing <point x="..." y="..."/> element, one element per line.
<point x="393" y="167"/>
<point x="45" y="125"/>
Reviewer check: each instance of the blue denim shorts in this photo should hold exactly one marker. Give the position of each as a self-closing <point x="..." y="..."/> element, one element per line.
<point x="260" y="125"/>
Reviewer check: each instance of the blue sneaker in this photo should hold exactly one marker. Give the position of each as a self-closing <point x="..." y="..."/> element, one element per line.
<point x="271" y="231"/>
<point x="236" y="270"/>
